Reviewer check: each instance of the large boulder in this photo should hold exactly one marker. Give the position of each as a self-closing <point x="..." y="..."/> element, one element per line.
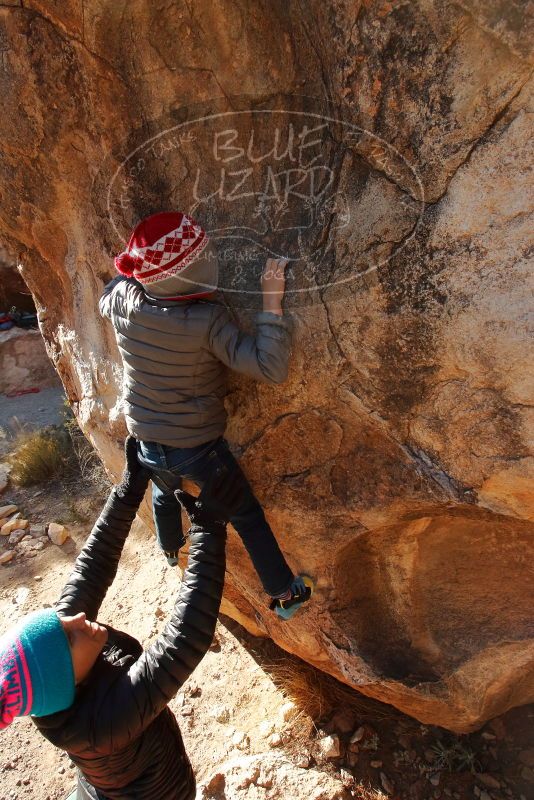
<point x="394" y="464"/>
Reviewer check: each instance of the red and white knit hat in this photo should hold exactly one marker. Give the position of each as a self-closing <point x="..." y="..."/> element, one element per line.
<point x="171" y="255"/>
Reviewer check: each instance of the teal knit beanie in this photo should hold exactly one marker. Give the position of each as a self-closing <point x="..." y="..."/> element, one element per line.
<point x="36" y="672"/>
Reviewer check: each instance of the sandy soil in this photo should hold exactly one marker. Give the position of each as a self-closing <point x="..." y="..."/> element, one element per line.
<point x="43" y="408"/>
<point x="229" y="685"/>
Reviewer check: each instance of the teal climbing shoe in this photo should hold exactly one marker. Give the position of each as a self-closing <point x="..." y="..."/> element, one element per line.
<point x="301" y="590"/>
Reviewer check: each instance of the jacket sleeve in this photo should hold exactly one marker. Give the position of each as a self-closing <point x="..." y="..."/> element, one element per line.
<point x="106" y="302"/>
<point x="96" y="566"/>
<point x="141" y="693"/>
<point x="264" y="357"/>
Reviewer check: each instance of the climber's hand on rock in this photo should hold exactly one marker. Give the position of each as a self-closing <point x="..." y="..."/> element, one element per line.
<point x="273" y="284"/>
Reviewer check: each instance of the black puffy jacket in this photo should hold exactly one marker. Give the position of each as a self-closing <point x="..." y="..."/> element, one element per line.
<point x="119" y="731"/>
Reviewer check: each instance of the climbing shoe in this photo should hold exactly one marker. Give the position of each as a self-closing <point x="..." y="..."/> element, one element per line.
<point x="299" y="593"/>
<point x="172" y="557"/>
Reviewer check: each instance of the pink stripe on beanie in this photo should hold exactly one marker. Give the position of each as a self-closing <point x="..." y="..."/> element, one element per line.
<point x="15" y="684"/>
<point x="36" y="672"/>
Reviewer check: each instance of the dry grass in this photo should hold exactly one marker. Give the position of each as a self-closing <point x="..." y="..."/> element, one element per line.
<point x="317" y="694"/>
<point x="56" y="452"/>
<point x="87" y="462"/>
<point x="37" y="456"/>
<point x="364" y="793"/>
<point x="304" y="686"/>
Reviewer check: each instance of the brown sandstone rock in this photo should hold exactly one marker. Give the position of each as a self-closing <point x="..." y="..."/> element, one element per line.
<point x="7" y="511"/>
<point x="57" y="533"/>
<point x="395" y="463"/>
<point x="13" y="525"/>
<point x="271" y="771"/>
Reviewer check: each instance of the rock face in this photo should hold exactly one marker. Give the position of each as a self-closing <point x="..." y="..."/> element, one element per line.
<point x="394" y="464"/>
<point x="269" y="775"/>
<point x="24" y="363"/>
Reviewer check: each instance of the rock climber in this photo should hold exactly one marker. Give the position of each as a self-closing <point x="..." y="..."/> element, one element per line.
<point x="175" y="343"/>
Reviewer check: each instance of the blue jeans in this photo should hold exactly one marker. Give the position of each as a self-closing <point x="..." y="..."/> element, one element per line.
<point x="196" y="464"/>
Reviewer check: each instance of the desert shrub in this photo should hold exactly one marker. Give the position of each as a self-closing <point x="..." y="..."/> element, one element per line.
<point x="455" y="756"/>
<point x="317" y="694"/>
<point x="58" y="452"/>
<point x="84" y="458"/>
<point x="37" y="456"/>
<point x="305" y="687"/>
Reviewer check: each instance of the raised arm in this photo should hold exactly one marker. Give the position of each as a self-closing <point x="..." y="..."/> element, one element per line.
<point x="96" y="566"/>
<point x="144" y="691"/>
<point x="264" y="357"/>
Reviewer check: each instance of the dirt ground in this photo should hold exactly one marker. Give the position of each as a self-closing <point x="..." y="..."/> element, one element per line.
<point x="42" y="408"/>
<point x="235" y="711"/>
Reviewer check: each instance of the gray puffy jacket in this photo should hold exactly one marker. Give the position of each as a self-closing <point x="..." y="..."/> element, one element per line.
<point x="174" y="355"/>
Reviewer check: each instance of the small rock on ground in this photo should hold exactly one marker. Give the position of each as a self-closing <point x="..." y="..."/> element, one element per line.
<point x="57" y="533"/>
<point x="358" y="735"/>
<point x="15" y="537"/>
<point x="329" y="746"/>
<point x="6" y="511"/>
<point x="271" y="771"/>
<point x="13" y="525"/>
